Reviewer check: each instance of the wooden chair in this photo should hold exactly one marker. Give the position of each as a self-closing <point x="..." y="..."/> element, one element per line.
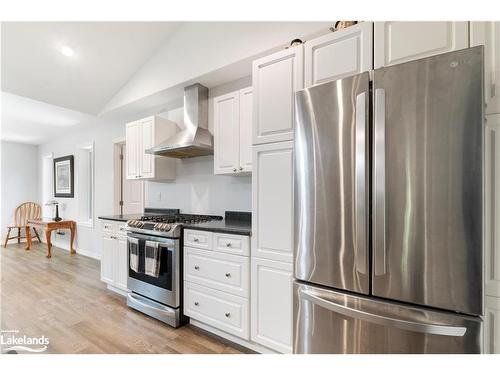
<point x="25" y="211"/>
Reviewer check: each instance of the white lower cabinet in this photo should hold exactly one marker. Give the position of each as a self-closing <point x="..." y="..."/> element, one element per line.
<point x="221" y="310"/>
<point x="114" y="256"/>
<point x="217" y="281"/>
<point x="492" y="325"/>
<point x="271" y="304"/>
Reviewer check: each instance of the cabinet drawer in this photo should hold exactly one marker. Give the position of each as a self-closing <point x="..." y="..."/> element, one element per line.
<point x="199" y="239"/>
<point x="224" y="272"/>
<point x="108" y="226"/>
<point x="231" y="244"/>
<point x="220" y="310"/>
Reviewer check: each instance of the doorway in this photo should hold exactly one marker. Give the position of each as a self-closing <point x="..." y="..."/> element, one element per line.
<point x="128" y="194"/>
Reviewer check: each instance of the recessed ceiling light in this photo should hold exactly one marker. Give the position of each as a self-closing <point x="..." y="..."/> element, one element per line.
<point x="66" y="51"/>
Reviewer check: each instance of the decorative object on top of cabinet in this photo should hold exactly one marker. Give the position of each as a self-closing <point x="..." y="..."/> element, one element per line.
<point x="275" y="78"/>
<point x="295" y="42"/>
<point x="272" y="307"/>
<point x="272" y="201"/>
<point x="488" y="34"/>
<point x="339" y="25"/>
<point x="233" y="132"/>
<point x="141" y="135"/>
<point x="492" y="205"/>
<point x="340" y="54"/>
<point x="400" y="41"/>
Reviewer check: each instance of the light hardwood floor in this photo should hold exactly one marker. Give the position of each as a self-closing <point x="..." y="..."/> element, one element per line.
<point x="63" y="299"/>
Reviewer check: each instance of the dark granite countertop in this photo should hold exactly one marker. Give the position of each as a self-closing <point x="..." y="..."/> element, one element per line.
<point x="234" y="222"/>
<point x="240" y="227"/>
<point x="121" y="217"/>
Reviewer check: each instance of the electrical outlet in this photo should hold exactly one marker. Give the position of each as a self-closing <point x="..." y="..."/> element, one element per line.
<point x="158" y="196"/>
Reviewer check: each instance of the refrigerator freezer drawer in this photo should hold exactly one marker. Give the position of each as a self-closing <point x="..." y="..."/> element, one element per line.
<point x="327" y="321"/>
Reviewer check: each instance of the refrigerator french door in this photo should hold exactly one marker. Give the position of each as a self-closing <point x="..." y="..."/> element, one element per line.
<point x="388" y="210"/>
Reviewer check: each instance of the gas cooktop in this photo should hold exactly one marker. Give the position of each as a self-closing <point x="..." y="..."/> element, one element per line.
<point x="166" y="225"/>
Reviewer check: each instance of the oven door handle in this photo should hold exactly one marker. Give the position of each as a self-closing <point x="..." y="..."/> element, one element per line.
<point x="150" y="305"/>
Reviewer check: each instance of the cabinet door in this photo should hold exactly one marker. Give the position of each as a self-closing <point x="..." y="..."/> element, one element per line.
<point x="246" y="108"/>
<point x="399" y="41"/>
<point x="492" y="325"/>
<point x="146" y="161"/>
<point x="132" y="147"/>
<point x="107" y="259"/>
<point x="271" y="304"/>
<point x="272" y="201"/>
<point x="275" y="78"/>
<point x="121" y="263"/>
<point x="488" y="34"/>
<point x="226" y="133"/>
<point x="340" y="54"/>
<point x="492" y="205"/>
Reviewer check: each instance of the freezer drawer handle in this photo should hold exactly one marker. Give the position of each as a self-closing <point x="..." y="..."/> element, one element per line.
<point x="406" y="325"/>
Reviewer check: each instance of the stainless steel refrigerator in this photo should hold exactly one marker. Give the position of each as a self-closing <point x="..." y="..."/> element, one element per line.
<point x="389" y="210"/>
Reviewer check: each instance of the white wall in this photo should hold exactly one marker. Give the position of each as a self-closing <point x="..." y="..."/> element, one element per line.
<point x="197" y="48"/>
<point x="88" y="240"/>
<point x="197" y="190"/>
<point x="19" y="179"/>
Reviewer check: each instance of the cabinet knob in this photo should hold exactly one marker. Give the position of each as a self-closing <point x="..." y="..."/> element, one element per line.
<point x="241" y="168"/>
<point x="228" y="244"/>
<point x="227" y="315"/>
<point x="196" y="268"/>
<point x="196" y="239"/>
<point x="196" y="303"/>
<point x="228" y="274"/>
<point x="234" y="169"/>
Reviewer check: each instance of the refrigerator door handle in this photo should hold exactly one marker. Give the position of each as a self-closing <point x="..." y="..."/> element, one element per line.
<point x="379" y="184"/>
<point x="406" y="325"/>
<point x="360" y="183"/>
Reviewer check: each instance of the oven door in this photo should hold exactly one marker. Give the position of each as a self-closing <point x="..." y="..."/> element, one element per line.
<point x="165" y="287"/>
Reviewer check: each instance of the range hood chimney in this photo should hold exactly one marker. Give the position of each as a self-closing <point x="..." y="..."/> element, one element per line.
<point x="195" y="139"/>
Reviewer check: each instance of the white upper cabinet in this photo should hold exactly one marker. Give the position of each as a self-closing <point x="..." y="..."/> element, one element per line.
<point x="132" y="137"/>
<point x="141" y="135"/>
<point x="340" y="54"/>
<point x="492" y="205"/>
<point x="272" y="201"/>
<point x="488" y="34"/>
<point x="226" y="133"/>
<point x="233" y="132"/>
<point x="246" y="123"/>
<point x="398" y="42"/>
<point x="275" y="78"/>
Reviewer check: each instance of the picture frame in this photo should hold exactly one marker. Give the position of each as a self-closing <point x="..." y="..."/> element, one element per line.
<point x="64" y="177"/>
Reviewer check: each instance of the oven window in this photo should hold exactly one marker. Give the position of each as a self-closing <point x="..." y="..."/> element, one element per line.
<point x="164" y="279"/>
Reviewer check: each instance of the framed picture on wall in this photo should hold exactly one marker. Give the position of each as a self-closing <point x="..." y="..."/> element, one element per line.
<point x="64" y="177"/>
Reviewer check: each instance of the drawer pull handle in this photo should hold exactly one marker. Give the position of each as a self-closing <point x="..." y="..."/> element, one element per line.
<point x="196" y="303"/>
<point x="228" y="244"/>
<point x="227" y="315"/>
<point x="122" y="228"/>
<point x="196" y="240"/>
<point x="228" y="274"/>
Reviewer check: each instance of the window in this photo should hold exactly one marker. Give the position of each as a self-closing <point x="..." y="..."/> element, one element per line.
<point x="47" y="182"/>
<point x="85" y="184"/>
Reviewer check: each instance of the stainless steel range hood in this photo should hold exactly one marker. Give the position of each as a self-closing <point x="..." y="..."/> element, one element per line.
<point x="195" y="139"/>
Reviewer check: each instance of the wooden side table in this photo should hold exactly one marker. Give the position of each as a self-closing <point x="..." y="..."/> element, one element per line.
<point x="49" y="225"/>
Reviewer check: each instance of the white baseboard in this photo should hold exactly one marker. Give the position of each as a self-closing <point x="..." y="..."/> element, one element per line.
<point x="247" y="344"/>
<point x="117" y="290"/>
<point x="78" y="250"/>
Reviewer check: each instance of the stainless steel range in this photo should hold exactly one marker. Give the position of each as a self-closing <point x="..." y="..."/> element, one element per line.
<point x="155" y="264"/>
